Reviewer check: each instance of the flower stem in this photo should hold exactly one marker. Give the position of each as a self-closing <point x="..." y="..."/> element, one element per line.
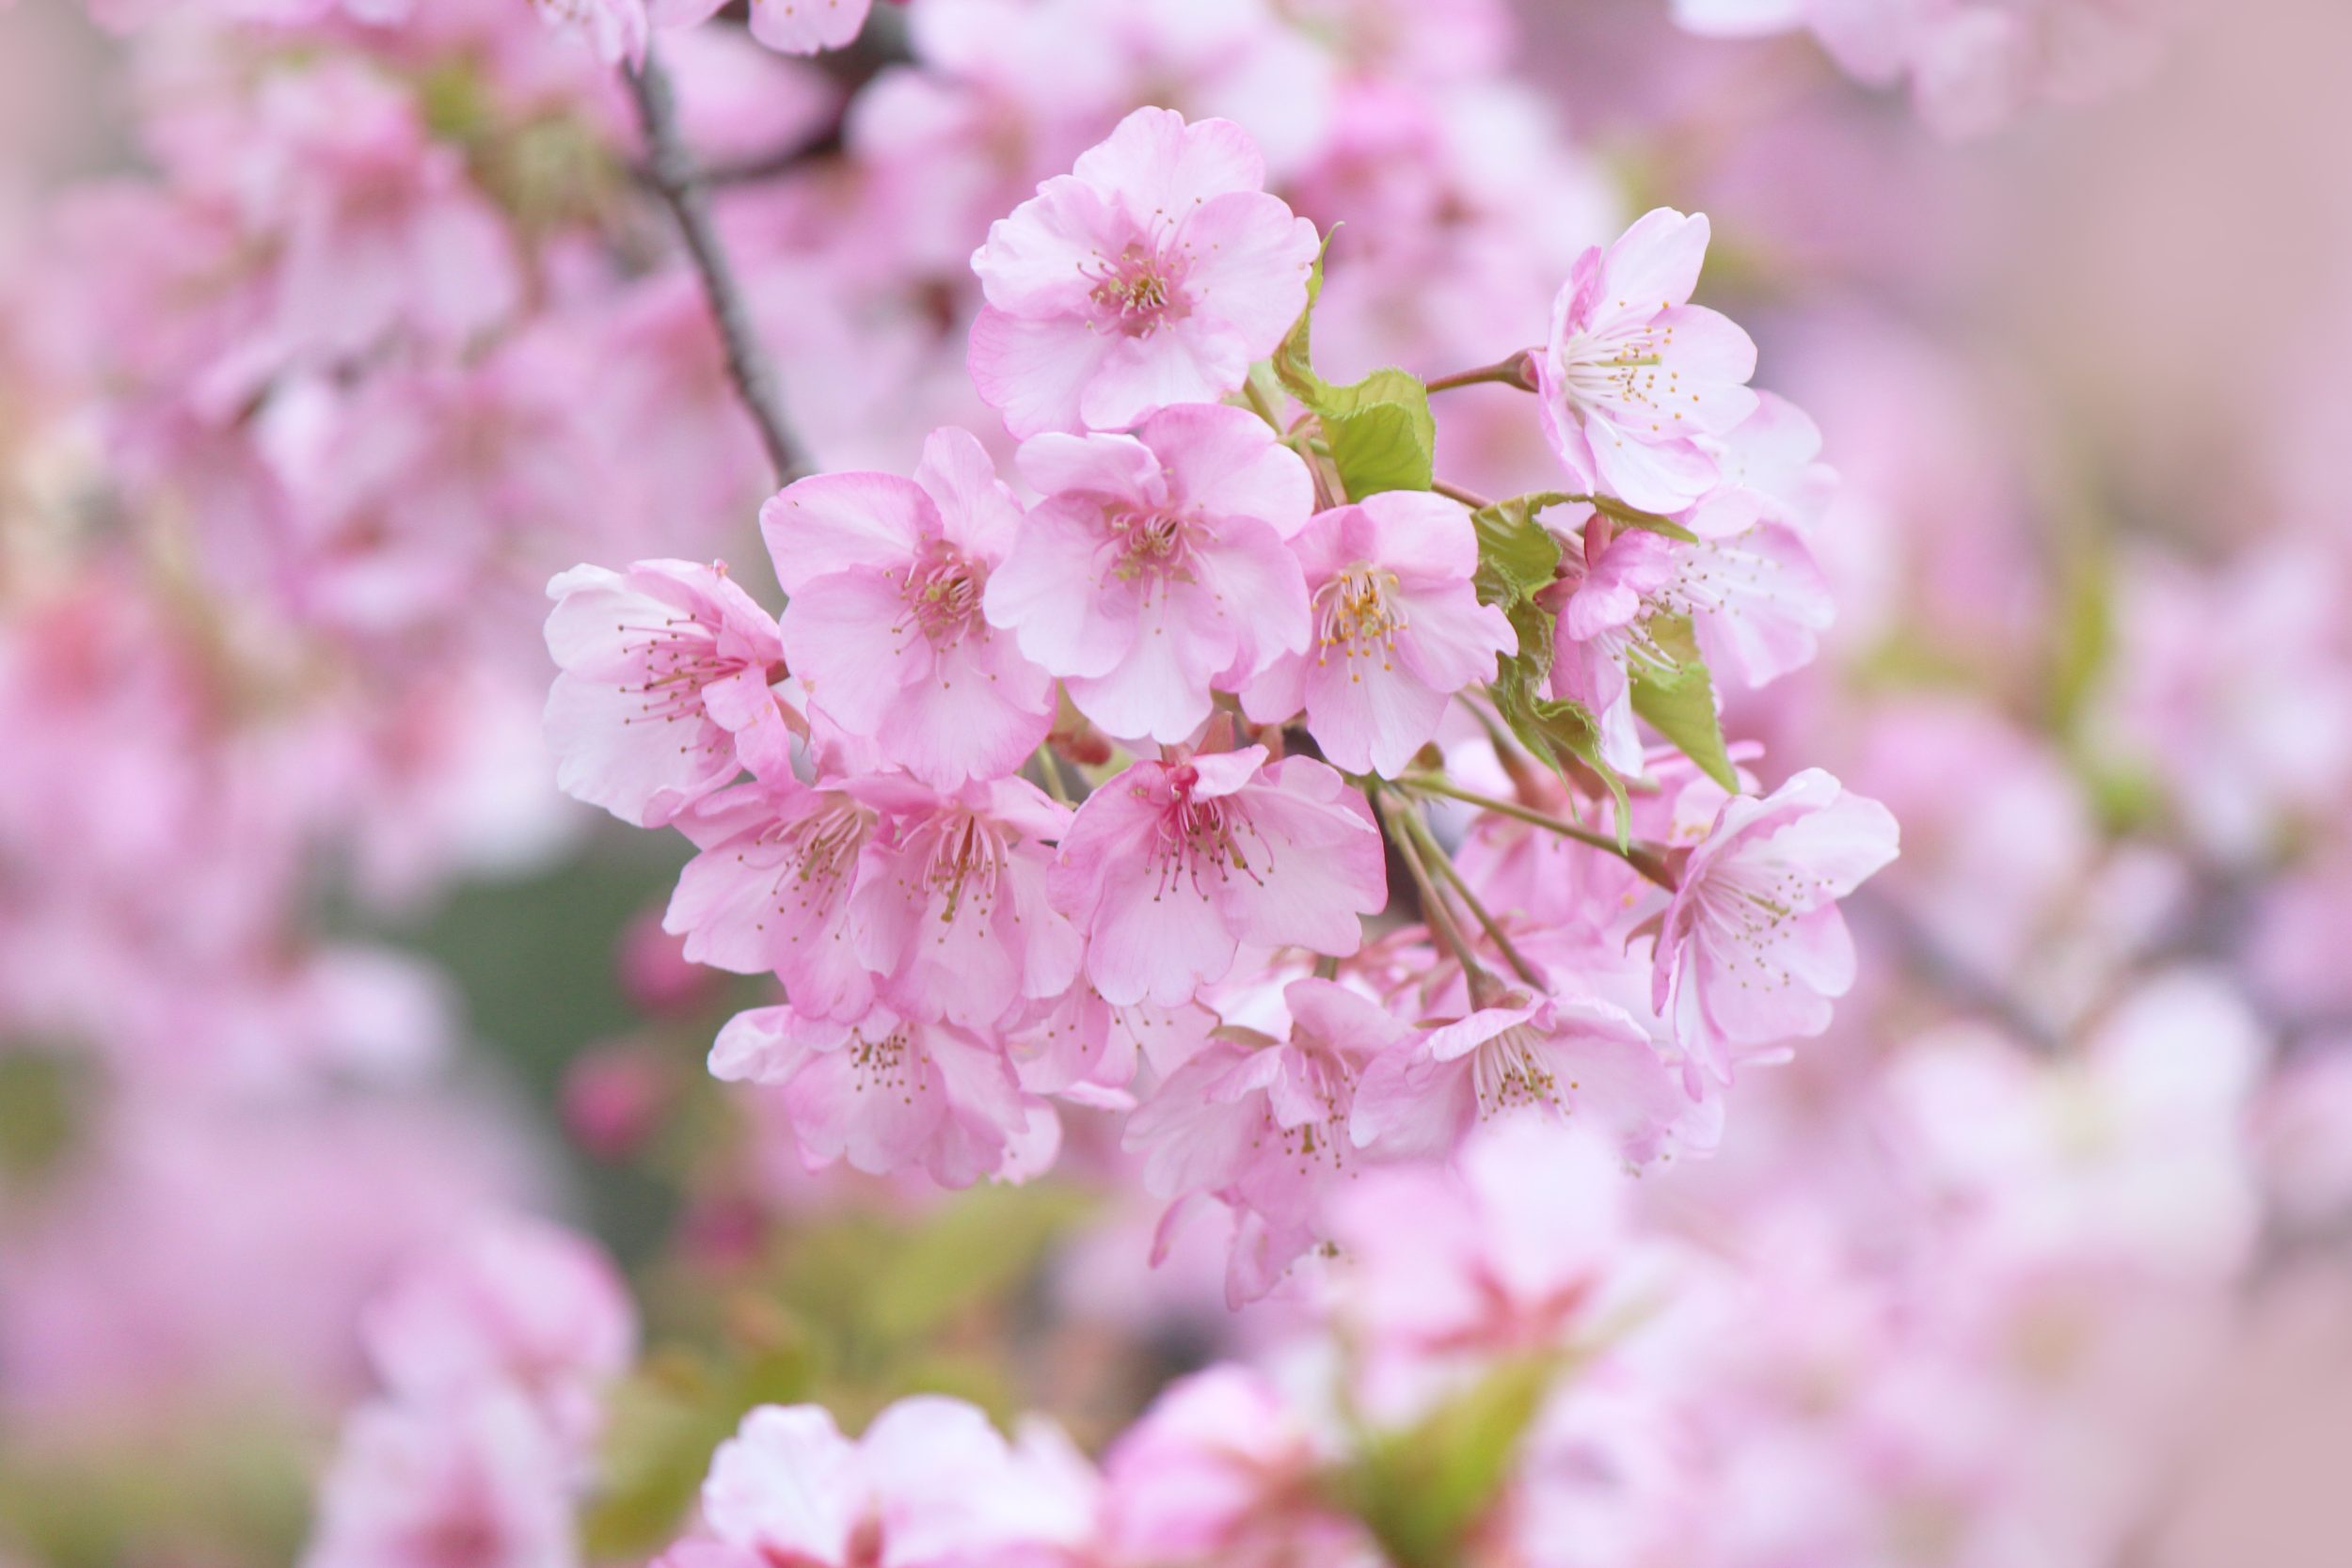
<point x="1645" y="857"/>
<point x="1518" y="371"/>
<point x="1435" y="855"/>
<point x="671" y="167"/>
<point x="1471" y="498"/>
<point x="1434" y="912"/>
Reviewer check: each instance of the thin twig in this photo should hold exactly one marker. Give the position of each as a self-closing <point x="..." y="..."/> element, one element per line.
<point x="1518" y="371"/>
<point x="1471" y="498"/>
<point x="670" y="169"/>
<point x="1433" y="854"/>
<point x="1649" y="858"/>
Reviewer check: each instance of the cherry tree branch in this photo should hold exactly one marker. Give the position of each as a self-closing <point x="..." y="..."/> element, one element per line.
<point x="672" y="171"/>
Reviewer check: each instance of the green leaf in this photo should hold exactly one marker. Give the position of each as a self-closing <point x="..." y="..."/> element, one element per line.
<point x="1518" y="557"/>
<point x="976" y="1251"/>
<point x="1678" y="700"/>
<point x="1626" y="516"/>
<point x="1420" y="1490"/>
<point x="1294" y="361"/>
<point x="1382" y="434"/>
<point x="1563" y="734"/>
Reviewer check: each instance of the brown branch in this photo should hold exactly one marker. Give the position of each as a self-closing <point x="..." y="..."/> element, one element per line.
<point x="672" y="172"/>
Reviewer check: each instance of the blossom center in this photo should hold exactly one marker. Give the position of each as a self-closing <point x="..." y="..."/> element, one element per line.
<point x="1156" y="547"/>
<point x="1624" y="369"/>
<point x="1139" y="291"/>
<point x="1510" y="1071"/>
<point x="1199" y="842"/>
<point x="943" y="590"/>
<point x="966" y="856"/>
<point x="675" y="659"/>
<point x="1358" y="610"/>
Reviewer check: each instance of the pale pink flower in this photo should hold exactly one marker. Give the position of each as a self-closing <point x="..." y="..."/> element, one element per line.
<point x="881" y="1092"/>
<point x="1634" y="374"/>
<point x="802" y="26"/>
<point x="664" y="691"/>
<point x="1150" y="275"/>
<point x="618" y="30"/>
<point x="1172" y="866"/>
<point x="1555" y="1056"/>
<point x="930" y="1484"/>
<point x="1398" y="629"/>
<point x="476" y="1483"/>
<point x="1221" y="1470"/>
<point x="1520" y="1247"/>
<point x="1262" y="1125"/>
<point x="1612" y="577"/>
<point x="515" y="1304"/>
<point x="377" y="226"/>
<point x="1154" y="571"/>
<point x="769" y="892"/>
<point x="885" y="624"/>
<point x="953" y="908"/>
<point x="1079" y="1046"/>
<point x="1752" y="947"/>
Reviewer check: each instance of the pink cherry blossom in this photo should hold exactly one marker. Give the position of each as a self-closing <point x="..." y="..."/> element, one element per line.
<point x="664" y="692"/>
<point x="1398" y="630"/>
<point x="618" y="30"/>
<point x="1150" y="275"/>
<point x="1154" y="572"/>
<point x="515" y="1303"/>
<point x="1222" y="1470"/>
<point x="804" y="27"/>
<point x="953" y="907"/>
<point x="1610" y="580"/>
<point x="930" y="1484"/>
<point x="881" y="1092"/>
<point x="1262" y="1125"/>
<point x="479" y="1483"/>
<point x="1753" y="948"/>
<point x="770" y="892"/>
<point x="1524" y="1243"/>
<point x="888" y="578"/>
<point x="1635" y="375"/>
<point x="1562" y="1057"/>
<point x="1171" y="866"/>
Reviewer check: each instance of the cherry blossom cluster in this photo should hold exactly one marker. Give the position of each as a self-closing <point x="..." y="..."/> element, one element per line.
<point x="495" y="1353"/>
<point x="1736" y="1377"/>
<point x="1079" y="792"/>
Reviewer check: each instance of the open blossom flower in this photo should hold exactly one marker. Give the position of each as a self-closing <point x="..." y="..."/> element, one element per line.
<point x="1262" y="1125"/>
<point x="1172" y="866"/>
<point x="1752" y="947"/>
<point x="1398" y="629"/>
<point x="1155" y="571"/>
<point x="1151" y="275"/>
<point x="1221" y="1470"/>
<point x="769" y="892"/>
<point x="887" y="577"/>
<point x="930" y="1485"/>
<point x="479" y="1484"/>
<point x="1556" y="1056"/>
<point x="664" y="691"/>
<point x="1522" y="1244"/>
<point x="517" y="1303"/>
<point x="953" y="909"/>
<point x="881" y="1092"/>
<point x="1635" y="375"/>
<point x="1598" y="615"/>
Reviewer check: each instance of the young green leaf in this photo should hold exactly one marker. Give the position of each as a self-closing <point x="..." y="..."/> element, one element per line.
<point x="1679" y="700"/>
